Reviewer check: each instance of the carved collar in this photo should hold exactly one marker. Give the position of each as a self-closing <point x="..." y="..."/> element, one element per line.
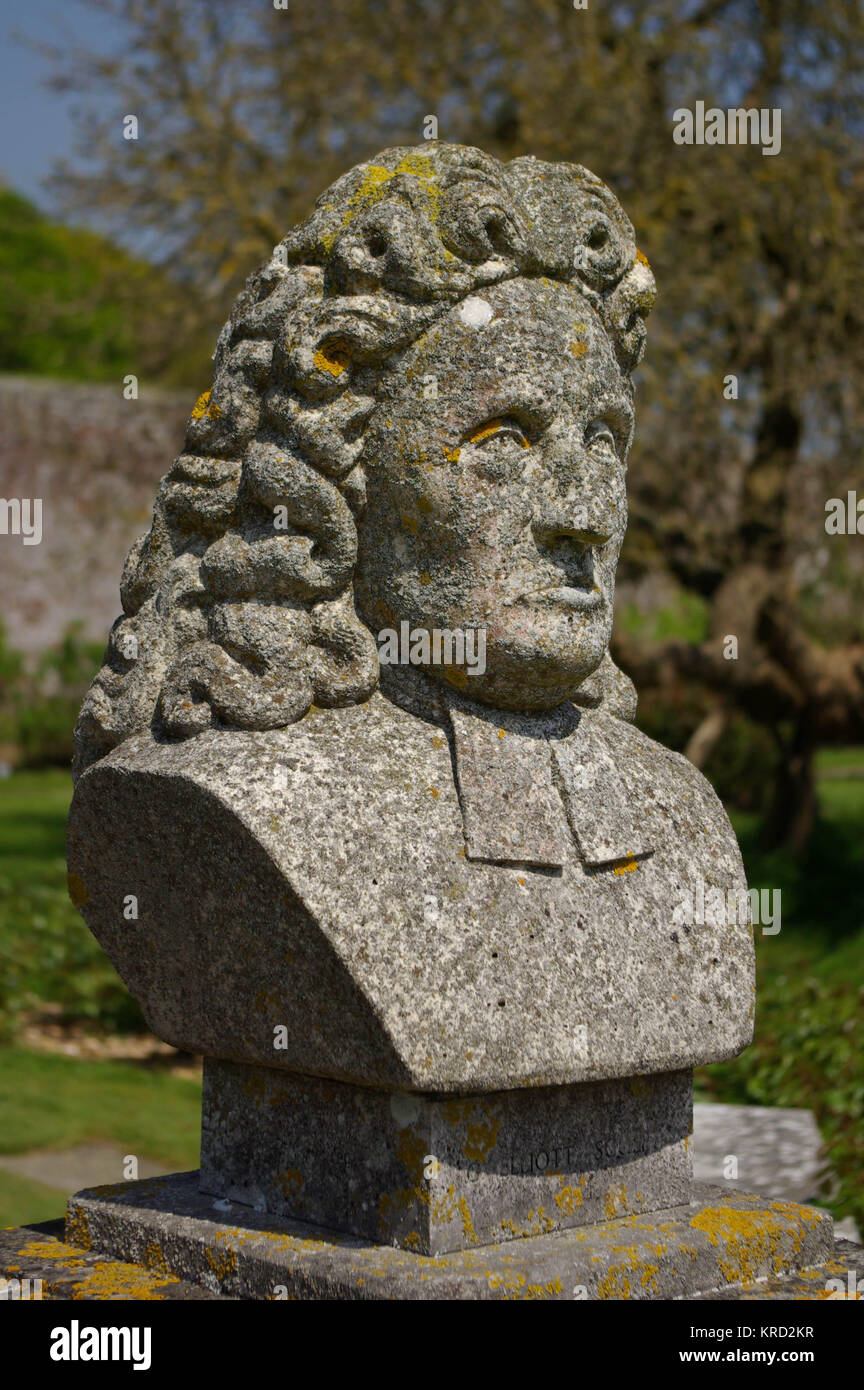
<point x="531" y="784"/>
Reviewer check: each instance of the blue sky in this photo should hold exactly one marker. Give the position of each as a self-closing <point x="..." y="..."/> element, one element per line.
<point x="35" y="122"/>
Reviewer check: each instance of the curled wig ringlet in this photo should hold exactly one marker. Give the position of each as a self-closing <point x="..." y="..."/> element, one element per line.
<point x="238" y="606"/>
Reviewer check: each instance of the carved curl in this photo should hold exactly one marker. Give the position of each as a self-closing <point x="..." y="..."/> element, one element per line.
<point x="238" y="602"/>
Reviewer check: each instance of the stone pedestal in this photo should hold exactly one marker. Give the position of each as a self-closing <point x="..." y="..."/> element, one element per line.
<point x="719" y="1244"/>
<point x="435" y="1174"/>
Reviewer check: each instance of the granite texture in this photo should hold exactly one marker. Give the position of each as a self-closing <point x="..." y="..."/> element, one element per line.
<point x="434" y="1175"/>
<point x="728" y="1243"/>
<point x="306" y="901"/>
<point x="421" y="411"/>
<point x="444" y="879"/>
<point x="469" y="879"/>
<point x="40" y="1252"/>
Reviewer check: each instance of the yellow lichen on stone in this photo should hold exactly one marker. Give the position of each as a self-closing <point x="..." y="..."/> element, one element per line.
<point x="481" y="1139"/>
<point x="205" y="408"/>
<point x="569" y="1199"/>
<point x="222" y="1262"/>
<point x="411" y="1148"/>
<point x="78" y="1228"/>
<point x="110" y="1280"/>
<point x="331" y="359"/>
<point x="155" y="1261"/>
<point x="615" y="1203"/>
<point x="467" y="1224"/>
<point x="370" y="192"/>
<point x="484" y="432"/>
<point x="615" y="1284"/>
<point x="753" y="1240"/>
<point x="66" y="1256"/>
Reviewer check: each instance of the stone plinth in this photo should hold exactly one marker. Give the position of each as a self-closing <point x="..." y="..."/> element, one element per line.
<point x="434" y="1174"/>
<point x="719" y="1241"/>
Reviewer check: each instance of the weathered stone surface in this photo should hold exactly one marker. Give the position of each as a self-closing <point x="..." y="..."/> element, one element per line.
<point x="423" y="401"/>
<point x="777" y="1150"/>
<point x="719" y="1241"/>
<point x="477" y="877"/>
<point x="433" y="1175"/>
<point x="320" y="836"/>
<point x="341" y="907"/>
<point x="64" y="1271"/>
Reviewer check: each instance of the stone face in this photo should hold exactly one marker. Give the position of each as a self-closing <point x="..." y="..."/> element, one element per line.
<point x="430" y="1174"/>
<point x="720" y="1243"/>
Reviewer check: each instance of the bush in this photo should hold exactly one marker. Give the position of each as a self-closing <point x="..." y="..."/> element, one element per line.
<point x="39" y="704"/>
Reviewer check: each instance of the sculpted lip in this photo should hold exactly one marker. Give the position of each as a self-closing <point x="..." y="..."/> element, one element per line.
<point x="570" y="595"/>
<point x="572" y="598"/>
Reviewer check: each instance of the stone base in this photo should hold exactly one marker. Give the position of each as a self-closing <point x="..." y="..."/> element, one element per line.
<point x="434" y="1174"/>
<point x="719" y="1242"/>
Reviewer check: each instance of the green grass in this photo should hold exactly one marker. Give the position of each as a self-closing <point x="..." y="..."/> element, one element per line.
<point x="47" y="951"/>
<point x="53" y="1102"/>
<point x="808" y="1048"/>
<point x="839" y="757"/>
<point x="23" y="1201"/>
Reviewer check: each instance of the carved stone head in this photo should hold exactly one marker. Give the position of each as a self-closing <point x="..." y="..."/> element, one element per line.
<point x="421" y="412"/>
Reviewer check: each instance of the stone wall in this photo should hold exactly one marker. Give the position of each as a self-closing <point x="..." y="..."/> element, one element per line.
<point x="95" y="460"/>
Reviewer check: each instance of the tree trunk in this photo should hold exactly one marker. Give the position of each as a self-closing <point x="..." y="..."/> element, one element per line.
<point x="793" y="804"/>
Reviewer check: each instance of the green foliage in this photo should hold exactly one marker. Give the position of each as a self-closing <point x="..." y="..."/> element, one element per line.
<point x="808" y="1047"/>
<point x="743" y="763"/>
<point x="685" y="619"/>
<point x="48" y="952"/>
<point x="39" y="704"/>
<point x="73" y="305"/>
<point x="145" y="1110"/>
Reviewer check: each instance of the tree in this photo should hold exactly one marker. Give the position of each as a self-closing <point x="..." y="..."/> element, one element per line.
<point x="246" y="112"/>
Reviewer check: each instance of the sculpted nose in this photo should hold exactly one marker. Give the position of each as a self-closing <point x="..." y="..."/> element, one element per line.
<point x="578" y="504"/>
<point x="573" y="519"/>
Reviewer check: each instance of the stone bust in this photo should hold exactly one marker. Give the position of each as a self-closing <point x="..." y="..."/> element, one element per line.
<point x="429" y="877"/>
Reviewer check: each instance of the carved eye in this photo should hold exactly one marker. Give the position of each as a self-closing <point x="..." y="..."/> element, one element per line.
<point x="499" y="429"/>
<point x="599" y="436"/>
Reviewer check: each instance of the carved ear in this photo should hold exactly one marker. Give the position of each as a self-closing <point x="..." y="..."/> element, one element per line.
<point x="608" y="690"/>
